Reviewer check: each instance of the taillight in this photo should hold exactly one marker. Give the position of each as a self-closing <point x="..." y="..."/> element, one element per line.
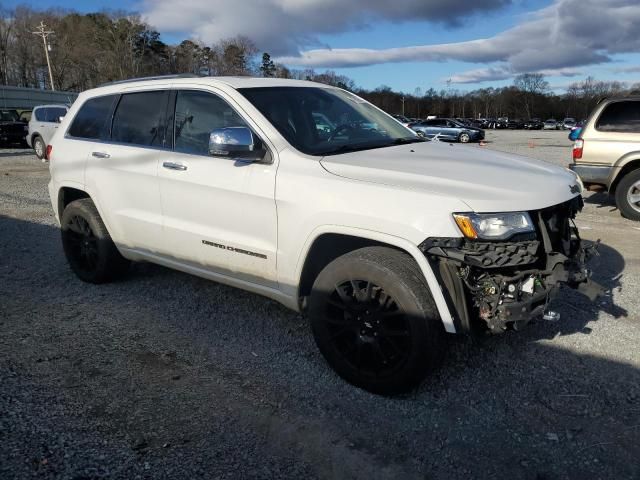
<point x="578" y="146"/>
<point x="47" y="153"/>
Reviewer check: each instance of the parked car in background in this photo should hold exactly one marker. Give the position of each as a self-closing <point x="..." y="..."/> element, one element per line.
<point x="25" y="115"/>
<point x="44" y="122"/>
<point x="515" y="124"/>
<point x="13" y="130"/>
<point x="402" y="119"/>
<point x="448" y="129"/>
<point x="533" y="124"/>
<point x="568" y="123"/>
<point x="551" y="124"/>
<point x="607" y="152"/>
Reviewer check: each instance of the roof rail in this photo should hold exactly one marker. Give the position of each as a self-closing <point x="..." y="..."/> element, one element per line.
<point x="157" y="77"/>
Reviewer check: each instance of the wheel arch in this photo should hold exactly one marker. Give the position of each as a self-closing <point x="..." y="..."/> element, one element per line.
<point x="66" y="195"/>
<point x="328" y="243"/>
<point x="627" y="164"/>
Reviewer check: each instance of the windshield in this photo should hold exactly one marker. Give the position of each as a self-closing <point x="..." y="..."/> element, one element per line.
<point x="326" y="121"/>
<point x="8" y="116"/>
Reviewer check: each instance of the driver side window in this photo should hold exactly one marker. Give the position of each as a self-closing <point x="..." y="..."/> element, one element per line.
<point x="197" y="114"/>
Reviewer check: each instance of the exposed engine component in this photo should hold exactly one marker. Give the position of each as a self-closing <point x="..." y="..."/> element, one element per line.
<point x="508" y="283"/>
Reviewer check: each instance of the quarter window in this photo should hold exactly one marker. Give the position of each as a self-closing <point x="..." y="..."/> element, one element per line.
<point x="41" y="114"/>
<point x="52" y="114"/>
<point x="197" y="114"/>
<point x="92" y="120"/>
<point x="140" y="119"/>
<point x="623" y="117"/>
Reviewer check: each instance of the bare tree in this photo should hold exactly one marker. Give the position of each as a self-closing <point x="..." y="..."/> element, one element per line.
<point x="531" y="85"/>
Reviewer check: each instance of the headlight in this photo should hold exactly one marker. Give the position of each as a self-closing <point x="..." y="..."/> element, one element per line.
<point x="493" y="226"/>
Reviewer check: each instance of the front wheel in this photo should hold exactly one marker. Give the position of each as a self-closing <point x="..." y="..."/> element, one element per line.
<point x="374" y="320"/>
<point x="464" y="137"/>
<point x="628" y="195"/>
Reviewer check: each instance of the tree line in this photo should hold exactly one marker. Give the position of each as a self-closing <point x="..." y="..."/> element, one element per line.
<point x="90" y="49"/>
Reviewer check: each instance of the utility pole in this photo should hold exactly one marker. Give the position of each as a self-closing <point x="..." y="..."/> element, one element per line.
<point x="44" y="33"/>
<point x="403" y="105"/>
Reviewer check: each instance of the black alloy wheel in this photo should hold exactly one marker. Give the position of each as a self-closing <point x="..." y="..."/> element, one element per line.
<point x="82" y="244"/>
<point x="368" y="328"/>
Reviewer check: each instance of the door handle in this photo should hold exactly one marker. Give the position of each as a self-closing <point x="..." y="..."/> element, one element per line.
<point x="100" y="155"/>
<point x="174" y="166"/>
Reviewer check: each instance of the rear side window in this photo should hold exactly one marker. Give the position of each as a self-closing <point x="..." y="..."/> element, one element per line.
<point x="52" y="114"/>
<point x="92" y="120"/>
<point x="623" y="117"/>
<point x="197" y="114"/>
<point x="140" y="119"/>
<point x="41" y="114"/>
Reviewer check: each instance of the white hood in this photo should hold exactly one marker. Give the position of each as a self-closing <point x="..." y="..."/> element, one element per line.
<point x="486" y="180"/>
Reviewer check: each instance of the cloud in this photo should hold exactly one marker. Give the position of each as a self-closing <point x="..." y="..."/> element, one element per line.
<point x="492" y="74"/>
<point x="284" y="26"/>
<point x="631" y="69"/>
<point x="560" y="37"/>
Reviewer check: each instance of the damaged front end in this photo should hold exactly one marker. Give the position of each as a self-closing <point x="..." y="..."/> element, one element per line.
<point x="507" y="283"/>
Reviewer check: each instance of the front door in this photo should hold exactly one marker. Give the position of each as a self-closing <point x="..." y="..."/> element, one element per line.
<point x="218" y="213"/>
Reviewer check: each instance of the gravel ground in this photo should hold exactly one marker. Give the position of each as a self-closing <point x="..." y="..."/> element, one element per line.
<point x="165" y="375"/>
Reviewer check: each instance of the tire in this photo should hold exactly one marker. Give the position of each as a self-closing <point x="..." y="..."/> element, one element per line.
<point x="39" y="147"/>
<point x="628" y="195"/>
<point x="91" y="253"/>
<point x="464" y="137"/>
<point x="386" y="337"/>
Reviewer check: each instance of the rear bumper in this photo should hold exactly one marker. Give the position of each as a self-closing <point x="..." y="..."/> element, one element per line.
<point x="592" y="174"/>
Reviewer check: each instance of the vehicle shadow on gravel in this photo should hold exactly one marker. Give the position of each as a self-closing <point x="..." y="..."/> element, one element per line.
<point x="601" y="200"/>
<point x="168" y="375"/>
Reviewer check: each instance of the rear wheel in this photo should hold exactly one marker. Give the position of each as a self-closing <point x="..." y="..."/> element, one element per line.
<point x="374" y="320"/>
<point x="628" y="195"/>
<point x="91" y="253"/>
<point x="39" y="147"/>
<point x="464" y="137"/>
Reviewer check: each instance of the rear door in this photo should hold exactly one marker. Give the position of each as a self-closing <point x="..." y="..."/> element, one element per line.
<point x="219" y="213"/>
<point x="122" y="170"/>
<point x="614" y="133"/>
<point x="435" y="127"/>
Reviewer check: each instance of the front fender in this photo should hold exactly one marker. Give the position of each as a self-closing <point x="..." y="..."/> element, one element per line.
<point x="398" y="242"/>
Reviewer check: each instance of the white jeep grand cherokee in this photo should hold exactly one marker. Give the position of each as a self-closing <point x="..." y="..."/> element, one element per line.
<point x="312" y="196"/>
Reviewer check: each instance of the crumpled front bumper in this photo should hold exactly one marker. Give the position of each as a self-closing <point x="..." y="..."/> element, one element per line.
<point x="496" y="285"/>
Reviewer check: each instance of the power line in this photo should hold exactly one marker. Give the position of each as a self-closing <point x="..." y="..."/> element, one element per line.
<point x="44" y="33"/>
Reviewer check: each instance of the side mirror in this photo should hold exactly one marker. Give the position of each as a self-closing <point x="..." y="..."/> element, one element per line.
<point x="230" y="141"/>
<point x="235" y="142"/>
<point x="60" y="119"/>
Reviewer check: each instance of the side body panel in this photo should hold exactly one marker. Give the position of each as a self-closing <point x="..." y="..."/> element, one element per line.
<point x="311" y="202"/>
<point x="220" y="213"/>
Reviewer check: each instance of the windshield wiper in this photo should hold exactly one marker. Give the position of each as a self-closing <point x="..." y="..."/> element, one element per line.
<point x="369" y="146"/>
<point x="406" y="140"/>
<point x="352" y="148"/>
